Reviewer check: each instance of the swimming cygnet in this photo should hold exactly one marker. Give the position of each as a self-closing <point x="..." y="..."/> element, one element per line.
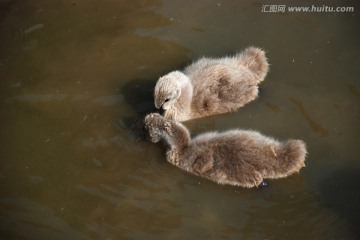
<point x="211" y="86"/>
<point x="236" y="157"/>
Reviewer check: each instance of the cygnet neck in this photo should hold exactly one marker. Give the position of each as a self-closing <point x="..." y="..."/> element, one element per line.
<point x="186" y="88"/>
<point x="176" y="135"/>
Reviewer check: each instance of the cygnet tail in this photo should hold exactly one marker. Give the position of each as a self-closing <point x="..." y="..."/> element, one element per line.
<point x="292" y="156"/>
<point x="255" y="59"/>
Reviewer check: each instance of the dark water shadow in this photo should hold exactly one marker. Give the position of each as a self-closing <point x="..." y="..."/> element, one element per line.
<point x="340" y="191"/>
<point x="138" y="93"/>
<point x="5" y="7"/>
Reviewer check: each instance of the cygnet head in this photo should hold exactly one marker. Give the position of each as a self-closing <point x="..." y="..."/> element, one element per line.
<point x="151" y="127"/>
<point x="168" y="90"/>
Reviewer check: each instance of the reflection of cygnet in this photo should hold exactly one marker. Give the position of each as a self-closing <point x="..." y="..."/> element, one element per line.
<point x="236" y="157"/>
<point x="211" y="86"/>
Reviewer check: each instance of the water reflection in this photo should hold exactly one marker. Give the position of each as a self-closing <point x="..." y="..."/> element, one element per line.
<point x="35" y="221"/>
<point x="340" y="193"/>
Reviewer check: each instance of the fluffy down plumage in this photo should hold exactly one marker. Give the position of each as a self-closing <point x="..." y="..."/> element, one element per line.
<point x="236" y="157"/>
<point x="211" y="86"/>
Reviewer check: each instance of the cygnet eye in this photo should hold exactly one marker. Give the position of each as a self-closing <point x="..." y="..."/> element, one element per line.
<point x="166" y="100"/>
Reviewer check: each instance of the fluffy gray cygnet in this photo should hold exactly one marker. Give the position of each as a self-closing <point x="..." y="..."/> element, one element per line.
<point x="236" y="157"/>
<point x="211" y="86"/>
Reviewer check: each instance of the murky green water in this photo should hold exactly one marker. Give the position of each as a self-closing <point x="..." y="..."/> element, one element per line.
<point x="75" y="75"/>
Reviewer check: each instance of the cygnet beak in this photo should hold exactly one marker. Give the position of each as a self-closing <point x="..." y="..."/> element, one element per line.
<point x="161" y="111"/>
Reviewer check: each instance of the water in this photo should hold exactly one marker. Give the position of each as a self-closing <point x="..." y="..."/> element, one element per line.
<point x="76" y="76"/>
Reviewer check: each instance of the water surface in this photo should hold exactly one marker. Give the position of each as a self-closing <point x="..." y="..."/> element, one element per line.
<point x="77" y="76"/>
